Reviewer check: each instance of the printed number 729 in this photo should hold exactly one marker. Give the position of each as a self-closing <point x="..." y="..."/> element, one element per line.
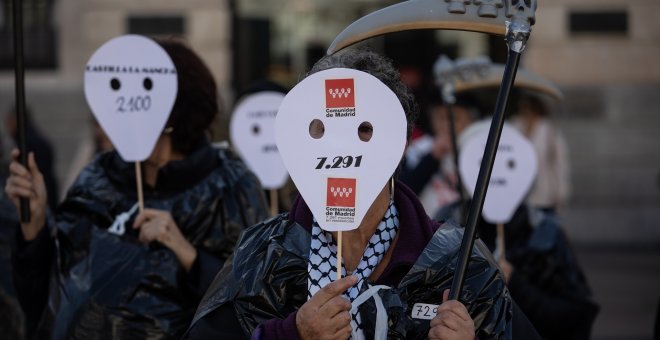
<point x="424" y="311"/>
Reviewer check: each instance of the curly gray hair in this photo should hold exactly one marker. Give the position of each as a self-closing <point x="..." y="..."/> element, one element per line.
<point x="379" y="67"/>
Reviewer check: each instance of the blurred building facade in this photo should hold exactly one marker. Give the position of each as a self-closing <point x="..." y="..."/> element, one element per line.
<point x="61" y="35"/>
<point x="606" y="57"/>
<point x="604" y="54"/>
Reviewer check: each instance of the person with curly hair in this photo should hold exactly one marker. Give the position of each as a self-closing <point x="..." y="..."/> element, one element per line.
<point x="274" y="287"/>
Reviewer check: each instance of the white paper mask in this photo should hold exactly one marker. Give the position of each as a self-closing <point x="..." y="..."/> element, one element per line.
<point x="513" y="172"/>
<point x="131" y="86"/>
<point x="252" y="131"/>
<point x="316" y="129"/>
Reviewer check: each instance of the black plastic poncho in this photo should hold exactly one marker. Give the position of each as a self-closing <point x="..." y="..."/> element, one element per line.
<point x="267" y="279"/>
<point x="107" y="285"/>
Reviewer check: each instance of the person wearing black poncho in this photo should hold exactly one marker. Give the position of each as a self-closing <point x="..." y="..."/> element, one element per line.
<point x="265" y="291"/>
<point x="115" y="273"/>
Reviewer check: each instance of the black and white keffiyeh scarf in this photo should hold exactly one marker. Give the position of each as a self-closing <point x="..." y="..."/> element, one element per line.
<point x="323" y="260"/>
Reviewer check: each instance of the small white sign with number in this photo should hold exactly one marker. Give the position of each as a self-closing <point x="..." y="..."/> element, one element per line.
<point x="424" y="311"/>
<point x="131" y="86"/>
<point x="252" y="131"/>
<point x="513" y="172"/>
<point x="341" y="134"/>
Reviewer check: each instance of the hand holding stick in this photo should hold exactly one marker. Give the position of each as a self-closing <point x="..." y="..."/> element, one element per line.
<point x="339" y="255"/>
<point x="27" y="183"/>
<point x="138" y="179"/>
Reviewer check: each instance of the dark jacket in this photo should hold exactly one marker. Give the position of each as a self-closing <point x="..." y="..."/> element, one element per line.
<point x="547" y="281"/>
<point x="418" y="177"/>
<point x="259" y="292"/>
<point x="8" y="222"/>
<point x="109" y="285"/>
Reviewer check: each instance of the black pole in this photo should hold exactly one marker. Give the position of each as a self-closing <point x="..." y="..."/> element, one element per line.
<point x="454" y="143"/>
<point x="19" y="70"/>
<point x="484" y="174"/>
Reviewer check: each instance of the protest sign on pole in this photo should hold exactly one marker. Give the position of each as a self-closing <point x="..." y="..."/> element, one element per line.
<point x="252" y="132"/>
<point x="513" y="174"/>
<point x="131" y="86"/>
<point x="341" y="134"/>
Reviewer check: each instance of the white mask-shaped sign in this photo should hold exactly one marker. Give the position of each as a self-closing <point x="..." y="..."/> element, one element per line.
<point x="341" y="134"/>
<point x="131" y="86"/>
<point x="252" y="131"/>
<point x="513" y="172"/>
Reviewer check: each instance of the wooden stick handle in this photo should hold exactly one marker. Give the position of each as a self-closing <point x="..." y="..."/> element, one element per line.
<point x="339" y="255"/>
<point x="500" y="243"/>
<point x="138" y="177"/>
<point x="274" y="204"/>
<point x="19" y="73"/>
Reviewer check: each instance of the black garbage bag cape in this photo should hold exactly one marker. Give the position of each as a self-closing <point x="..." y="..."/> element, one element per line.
<point x="8" y="222"/>
<point x="548" y="282"/>
<point x="12" y="322"/>
<point x="267" y="279"/>
<point x="108" y="285"/>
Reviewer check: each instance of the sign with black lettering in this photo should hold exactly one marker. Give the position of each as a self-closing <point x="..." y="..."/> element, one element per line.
<point x="424" y="311"/>
<point x="252" y="132"/>
<point x="131" y="86"/>
<point x="341" y="133"/>
<point x="513" y="173"/>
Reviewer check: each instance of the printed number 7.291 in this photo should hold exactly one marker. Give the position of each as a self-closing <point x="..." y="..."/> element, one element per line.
<point x="339" y="162"/>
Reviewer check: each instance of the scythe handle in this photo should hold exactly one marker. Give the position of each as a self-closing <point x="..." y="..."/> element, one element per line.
<point x="516" y="37"/>
<point x="19" y="70"/>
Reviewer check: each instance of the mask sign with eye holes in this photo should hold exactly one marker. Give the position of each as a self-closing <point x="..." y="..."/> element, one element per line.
<point x="341" y="134"/>
<point x="252" y="132"/>
<point x="131" y="86"/>
<point x="513" y="172"/>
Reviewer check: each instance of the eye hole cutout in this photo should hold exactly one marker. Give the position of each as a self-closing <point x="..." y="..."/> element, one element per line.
<point x="316" y="129"/>
<point x="148" y="84"/>
<point x="365" y="131"/>
<point x="511" y="164"/>
<point x="256" y="129"/>
<point x="115" y="84"/>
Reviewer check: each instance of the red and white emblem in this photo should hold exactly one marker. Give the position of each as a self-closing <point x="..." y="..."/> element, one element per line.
<point x="339" y="93"/>
<point x="341" y="192"/>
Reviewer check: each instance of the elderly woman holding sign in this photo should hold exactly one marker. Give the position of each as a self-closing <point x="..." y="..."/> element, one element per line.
<point x="119" y="272"/>
<point x="341" y="133"/>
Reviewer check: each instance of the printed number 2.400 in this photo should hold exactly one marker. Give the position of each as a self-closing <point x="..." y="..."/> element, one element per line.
<point x="339" y="162"/>
<point x="133" y="104"/>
